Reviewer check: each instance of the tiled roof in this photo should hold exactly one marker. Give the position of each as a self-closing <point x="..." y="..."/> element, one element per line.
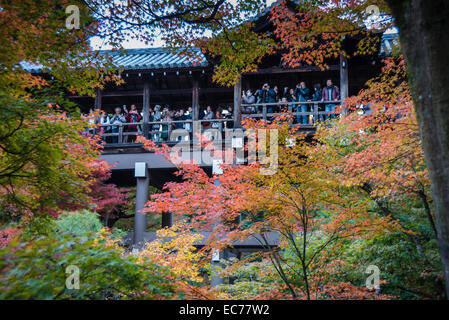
<point x="144" y="59"/>
<point x="156" y="58"/>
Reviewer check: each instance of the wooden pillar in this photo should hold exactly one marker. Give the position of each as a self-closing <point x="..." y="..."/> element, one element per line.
<point x="238" y="103"/>
<point x="195" y="100"/>
<point x="120" y="133"/>
<point x="316" y="117"/>
<point x="343" y="78"/>
<point x="140" y="219"/>
<point x="97" y="99"/>
<point x="215" y="264"/>
<point x="146" y="109"/>
<point x="167" y="219"/>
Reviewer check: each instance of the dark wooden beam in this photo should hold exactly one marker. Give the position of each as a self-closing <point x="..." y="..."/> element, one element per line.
<point x="167" y="71"/>
<point x="344" y="83"/>
<point x="302" y="69"/>
<point x="146" y="108"/>
<point x="98" y="95"/>
<point x="253" y="241"/>
<point x="159" y="92"/>
<point x="167" y="219"/>
<point x="238" y="103"/>
<point x="195" y="100"/>
<point x="117" y="94"/>
<point x="189" y="91"/>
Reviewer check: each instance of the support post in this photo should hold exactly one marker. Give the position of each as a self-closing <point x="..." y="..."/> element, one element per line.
<point x="140" y="219"/>
<point x="195" y="100"/>
<point x="215" y="266"/>
<point x="167" y="219"/>
<point x="97" y="99"/>
<point x="146" y="109"/>
<point x="238" y="103"/>
<point x="120" y="133"/>
<point x="343" y="78"/>
<point x="216" y="255"/>
<point x="264" y="112"/>
<point x="316" y="117"/>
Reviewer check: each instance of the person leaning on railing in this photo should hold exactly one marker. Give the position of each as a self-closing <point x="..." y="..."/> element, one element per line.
<point x="116" y="120"/>
<point x="179" y="116"/>
<point x="277" y="98"/>
<point x="228" y="114"/>
<point x="248" y="98"/>
<point x="330" y="93"/>
<point x="91" y="122"/>
<point x="270" y="98"/>
<point x="291" y="97"/>
<point x="132" y="116"/>
<point x="104" y="123"/>
<point x="302" y="94"/>
<point x="156" y="118"/>
<point x="166" y="125"/>
<point x="218" y="124"/>
<point x="208" y="114"/>
<point x="317" y="96"/>
<point x="188" y="116"/>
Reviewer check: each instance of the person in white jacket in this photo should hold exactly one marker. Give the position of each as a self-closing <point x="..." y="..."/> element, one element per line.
<point x="104" y="122"/>
<point x="117" y="119"/>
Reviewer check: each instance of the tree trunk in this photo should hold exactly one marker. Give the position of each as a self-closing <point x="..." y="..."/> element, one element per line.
<point x="424" y="33"/>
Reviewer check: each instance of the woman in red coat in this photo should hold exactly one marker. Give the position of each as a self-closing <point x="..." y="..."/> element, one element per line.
<point x="132" y="116"/>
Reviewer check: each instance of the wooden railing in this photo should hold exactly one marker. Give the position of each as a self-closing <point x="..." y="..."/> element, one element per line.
<point x="155" y="129"/>
<point x="119" y="134"/>
<point x="315" y="112"/>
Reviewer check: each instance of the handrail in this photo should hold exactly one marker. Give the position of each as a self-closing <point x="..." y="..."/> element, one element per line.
<point x="289" y="103"/>
<point x="265" y="115"/>
<point x="122" y="135"/>
<point x="123" y="124"/>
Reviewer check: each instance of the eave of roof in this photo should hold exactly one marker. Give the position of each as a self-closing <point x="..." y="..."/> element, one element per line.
<point x="144" y="59"/>
<point x="156" y="58"/>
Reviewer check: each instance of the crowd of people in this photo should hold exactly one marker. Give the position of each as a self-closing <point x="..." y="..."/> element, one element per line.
<point x="301" y="93"/>
<point x="163" y="119"/>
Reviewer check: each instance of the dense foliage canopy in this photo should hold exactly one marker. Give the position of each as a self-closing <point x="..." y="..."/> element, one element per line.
<point x="356" y="195"/>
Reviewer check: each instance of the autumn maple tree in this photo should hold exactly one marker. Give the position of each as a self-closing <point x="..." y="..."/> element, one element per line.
<point x="45" y="161"/>
<point x="310" y="32"/>
<point x="377" y="149"/>
<point x="300" y="202"/>
<point x="362" y="179"/>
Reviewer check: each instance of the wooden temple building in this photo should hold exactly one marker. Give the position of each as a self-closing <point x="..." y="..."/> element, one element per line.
<point x="156" y="76"/>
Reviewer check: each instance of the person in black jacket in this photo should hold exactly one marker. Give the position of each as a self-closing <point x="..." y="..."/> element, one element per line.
<point x="229" y="114"/>
<point x="317" y="96"/>
<point x="188" y="116"/>
<point x="302" y="94"/>
<point x="179" y="116"/>
<point x="276" y="98"/>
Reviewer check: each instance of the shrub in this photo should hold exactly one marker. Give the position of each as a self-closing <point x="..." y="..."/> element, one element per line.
<point x="37" y="270"/>
<point x="79" y="223"/>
